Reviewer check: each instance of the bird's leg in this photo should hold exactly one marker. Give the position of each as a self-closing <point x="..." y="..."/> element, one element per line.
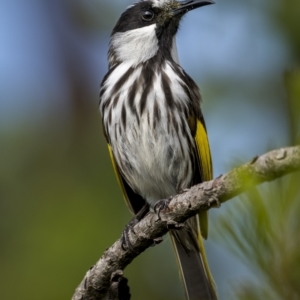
<point x="129" y="227"/>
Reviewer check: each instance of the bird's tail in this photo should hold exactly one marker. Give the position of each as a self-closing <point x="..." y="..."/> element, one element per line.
<point x="197" y="279"/>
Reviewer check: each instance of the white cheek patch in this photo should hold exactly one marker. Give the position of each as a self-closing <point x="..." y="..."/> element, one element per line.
<point x="137" y="45"/>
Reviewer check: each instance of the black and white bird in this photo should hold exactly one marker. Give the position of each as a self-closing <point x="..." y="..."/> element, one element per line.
<point x="154" y="126"/>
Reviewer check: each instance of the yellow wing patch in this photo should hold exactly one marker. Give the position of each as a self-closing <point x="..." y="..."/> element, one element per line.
<point x="119" y="178"/>
<point x="203" y="152"/>
<point x="205" y="169"/>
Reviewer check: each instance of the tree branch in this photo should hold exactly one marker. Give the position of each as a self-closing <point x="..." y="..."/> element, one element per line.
<point x="204" y="196"/>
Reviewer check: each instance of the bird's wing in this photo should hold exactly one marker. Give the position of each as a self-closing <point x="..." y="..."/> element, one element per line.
<point x="134" y="201"/>
<point x="188" y="242"/>
<point x="203" y="151"/>
<point x="204" y="166"/>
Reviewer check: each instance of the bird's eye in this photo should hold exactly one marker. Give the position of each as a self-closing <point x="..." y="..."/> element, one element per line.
<point x="147" y="15"/>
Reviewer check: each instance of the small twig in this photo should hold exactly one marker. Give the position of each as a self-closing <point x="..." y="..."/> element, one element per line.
<point x="119" y="289"/>
<point x="204" y="196"/>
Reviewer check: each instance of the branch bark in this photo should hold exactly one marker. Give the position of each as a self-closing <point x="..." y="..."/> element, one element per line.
<point x="204" y="196"/>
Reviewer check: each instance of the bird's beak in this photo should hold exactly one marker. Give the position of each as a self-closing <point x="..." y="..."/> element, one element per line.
<point x="185" y="6"/>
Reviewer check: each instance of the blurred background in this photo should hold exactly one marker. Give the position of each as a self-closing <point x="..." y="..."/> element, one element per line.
<point x="60" y="205"/>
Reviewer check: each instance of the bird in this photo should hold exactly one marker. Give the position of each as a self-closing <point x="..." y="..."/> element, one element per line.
<point x="154" y="126"/>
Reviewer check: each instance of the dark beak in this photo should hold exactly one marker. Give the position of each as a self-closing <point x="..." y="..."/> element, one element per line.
<point x="186" y="6"/>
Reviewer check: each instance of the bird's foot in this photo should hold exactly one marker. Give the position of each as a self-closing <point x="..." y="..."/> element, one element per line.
<point x="161" y="205"/>
<point x="126" y="244"/>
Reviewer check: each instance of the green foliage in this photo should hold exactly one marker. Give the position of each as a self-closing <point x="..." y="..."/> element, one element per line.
<point x="287" y="16"/>
<point x="262" y="229"/>
<point x="292" y="82"/>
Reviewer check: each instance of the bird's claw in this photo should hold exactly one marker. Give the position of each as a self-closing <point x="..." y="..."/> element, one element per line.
<point x="126" y="244"/>
<point x="161" y="205"/>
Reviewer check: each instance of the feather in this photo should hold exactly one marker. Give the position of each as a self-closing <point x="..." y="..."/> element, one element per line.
<point x="205" y="167"/>
<point x="133" y="200"/>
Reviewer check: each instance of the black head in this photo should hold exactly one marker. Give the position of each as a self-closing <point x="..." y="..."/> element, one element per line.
<point x="143" y="19"/>
<point x="166" y="14"/>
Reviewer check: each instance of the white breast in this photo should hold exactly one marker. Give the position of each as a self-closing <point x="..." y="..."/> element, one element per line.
<point x="154" y="157"/>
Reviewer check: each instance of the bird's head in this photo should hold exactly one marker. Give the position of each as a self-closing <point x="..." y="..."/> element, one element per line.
<point x="148" y="27"/>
